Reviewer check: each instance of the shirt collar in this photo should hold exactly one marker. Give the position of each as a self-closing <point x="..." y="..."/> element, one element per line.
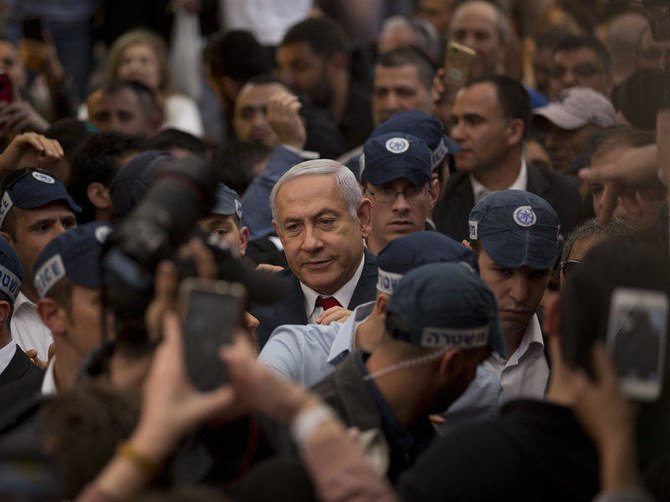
<point x="531" y="341"/>
<point x="22" y="300"/>
<point x="342" y="295"/>
<point x="49" y="382"/>
<point x="479" y="191"/>
<point x="344" y="340"/>
<point x="7" y="354"/>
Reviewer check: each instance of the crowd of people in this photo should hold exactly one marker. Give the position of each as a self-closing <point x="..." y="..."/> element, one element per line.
<point x="333" y="250"/>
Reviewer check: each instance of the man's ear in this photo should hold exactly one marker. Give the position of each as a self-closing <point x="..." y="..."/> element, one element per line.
<point x="365" y="216"/>
<point x="552" y="316"/>
<point x="381" y="304"/>
<point x="98" y="195"/>
<point x="244" y="239"/>
<point x="6" y="236"/>
<point x="435" y="188"/>
<point x="53" y="315"/>
<point x="277" y="230"/>
<point x="515" y="130"/>
<point x="449" y="364"/>
<point x="5" y="308"/>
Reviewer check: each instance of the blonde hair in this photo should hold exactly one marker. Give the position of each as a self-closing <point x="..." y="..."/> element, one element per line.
<point x="136" y="37"/>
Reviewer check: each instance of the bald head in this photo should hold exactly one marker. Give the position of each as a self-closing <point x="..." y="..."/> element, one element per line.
<point x="483" y="27"/>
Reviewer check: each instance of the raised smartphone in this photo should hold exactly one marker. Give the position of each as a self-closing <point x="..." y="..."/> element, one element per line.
<point x="636" y="338"/>
<point x="211" y="311"/>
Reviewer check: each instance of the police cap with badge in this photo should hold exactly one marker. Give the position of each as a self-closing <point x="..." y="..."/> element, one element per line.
<point x="516" y="229"/>
<point x="395" y="156"/>
<point x="426" y="127"/>
<point x="29" y="189"/>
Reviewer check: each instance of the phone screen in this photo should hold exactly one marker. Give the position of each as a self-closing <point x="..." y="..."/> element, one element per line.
<point x="636" y="339"/>
<point x="211" y="319"/>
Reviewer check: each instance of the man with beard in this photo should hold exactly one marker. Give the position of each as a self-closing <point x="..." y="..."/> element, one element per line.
<point x="314" y="60"/>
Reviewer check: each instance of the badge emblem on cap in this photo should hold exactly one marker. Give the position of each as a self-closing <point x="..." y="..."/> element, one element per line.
<point x="524" y="216"/>
<point x="397" y="145"/>
<point x="44" y="178"/>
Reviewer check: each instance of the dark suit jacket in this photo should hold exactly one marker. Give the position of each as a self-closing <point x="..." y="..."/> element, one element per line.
<point x="561" y="191"/>
<point x="19" y="367"/>
<point x="291" y="310"/>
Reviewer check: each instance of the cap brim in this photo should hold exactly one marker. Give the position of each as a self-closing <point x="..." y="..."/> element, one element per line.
<point x="557" y="115"/>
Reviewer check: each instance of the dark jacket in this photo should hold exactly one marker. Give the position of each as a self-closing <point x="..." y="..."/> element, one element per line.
<point x="19" y="367"/>
<point x="561" y="191"/>
<point x="291" y="310"/>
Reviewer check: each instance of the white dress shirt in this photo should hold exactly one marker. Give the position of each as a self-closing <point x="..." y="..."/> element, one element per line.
<point x="49" y="382"/>
<point x="28" y="330"/>
<point x="6" y="355"/>
<point x="526" y="373"/>
<point x="342" y="295"/>
<point x="479" y="191"/>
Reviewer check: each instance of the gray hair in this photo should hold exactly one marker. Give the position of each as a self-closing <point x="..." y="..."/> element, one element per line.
<point x="346" y="181"/>
<point x="591" y="229"/>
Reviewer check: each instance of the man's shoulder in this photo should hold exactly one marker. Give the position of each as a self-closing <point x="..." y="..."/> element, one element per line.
<point x="524" y="443"/>
<point x="346" y="392"/>
<point x="19" y="367"/>
<point x="553" y="177"/>
<point x="458" y="181"/>
<point x="300" y="352"/>
<point x="301" y="338"/>
<point x="16" y="396"/>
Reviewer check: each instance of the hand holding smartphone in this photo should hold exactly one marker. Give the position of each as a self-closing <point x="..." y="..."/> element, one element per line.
<point x="211" y="311"/>
<point x="636" y="338"/>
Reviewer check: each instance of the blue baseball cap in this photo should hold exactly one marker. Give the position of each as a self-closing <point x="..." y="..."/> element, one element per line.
<point x="419" y="248"/>
<point x="75" y="255"/>
<point x="227" y="202"/>
<point x="11" y="271"/>
<point x="132" y="181"/>
<point x="516" y="229"/>
<point x="34" y="189"/>
<point x="394" y="156"/>
<point x="424" y="126"/>
<point x="444" y="305"/>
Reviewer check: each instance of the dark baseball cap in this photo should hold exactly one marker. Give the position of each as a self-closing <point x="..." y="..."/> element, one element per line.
<point x="33" y="189"/>
<point x="75" y="255"/>
<point x="227" y="202"/>
<point x="444" y="305"/>
<point x="11" y="271"/>
<point x="394" y="156"/>
<point x="419" y="248"/>
<point x="516" y="229"/>
<point x="424" y="126"/>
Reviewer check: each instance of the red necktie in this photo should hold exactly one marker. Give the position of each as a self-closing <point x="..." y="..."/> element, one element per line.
<point x="327" y="302"/>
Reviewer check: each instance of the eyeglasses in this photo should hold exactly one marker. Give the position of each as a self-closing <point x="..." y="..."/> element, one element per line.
<point x="389" y="196"/>
<point x="568" y="267"/>
<point x="583" y="70"/>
